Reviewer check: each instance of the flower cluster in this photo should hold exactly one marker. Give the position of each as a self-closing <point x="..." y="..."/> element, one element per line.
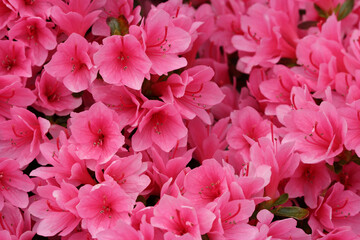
<point x="150" y="120"/>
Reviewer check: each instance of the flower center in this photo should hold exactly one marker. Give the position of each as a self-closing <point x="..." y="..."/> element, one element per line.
<point x="8" y="63"/>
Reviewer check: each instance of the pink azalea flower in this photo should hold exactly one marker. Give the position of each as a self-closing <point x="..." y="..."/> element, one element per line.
<point x="247" y="127"/>
<point x="13" y="93"/>
<point x="14" y="184"/>
<point x="16" y="223"/>
<point x="162" y="125"/>
<point x="209" y="141"/>
<point x="167" y="165"/>
<point x="339" y="233"/>
<point x="72" y="63"/>
<point x="122" y="61"/>
<point x="280" y="157"/>
<point x="32" y="8"/>
<point x="7" y="14"/>
<point x="164" y="42"/>
<point x="192" y="92"/>
<point x="309" y="180"/>
<point x="232" y="220"/>
<point x="55" y="210"/>
<point x="21" y="136"/>
<point x="54" y="97"/>
<point x="128" y="172"/>
<point x="322" y="56"/>
<point x="124" y="101"/>
<point x="205" y="184"/>
<point x="73" y="17"/>
<point x="318" y="135"/>
<point x="178" y="218"/>
<point x="96" y="133"/>
<point x="13" y="59"/>
<point x="102" y="205"/>
<point x="34" y="32"/>
<point x="65" y="165"/>
<point x="337" y="208"/>
<point x="280" y="229"/>
<point x="122" y="231"/>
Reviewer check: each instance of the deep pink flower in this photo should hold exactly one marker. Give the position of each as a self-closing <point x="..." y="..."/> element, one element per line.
<point x="102" y="205"/>
<point x="124" y="101"/>
<point x="209" y="141"/>
<point x="7" y="13"/>
<point x="128" y="172"/>
<point x="54" y="97"/>
<point x="318" y="135"/>
<point x="162" y="125"/>
<point x="122" y="231"/>
<point x="65" y="165"/>
<point x="205" y="184"/>
<point x="280" y="229"/>
<point x="14" y="185"/>
<point x="247" y="127"/>
<point x="192" y="92"/>
<point x="280" y="157"/>
<point x="55" y="210"/>
<point x="13" y="93"/>
<point x="72" y="63"/>
<point x="73" y="17"/>
<point x="178" y="218"/>
<point x="21" y="136"/>
<point x="13" y="59"/>
<point x="96" y="133"/>
<point x="32" y="8"/>
<point x="122" y="61"/>
<point x="164" y="42"/>
<point x="308" y="181"/>
<point x="337" y="208"/>
<point x="34" y="32"/>
<point x="16" y="223"/>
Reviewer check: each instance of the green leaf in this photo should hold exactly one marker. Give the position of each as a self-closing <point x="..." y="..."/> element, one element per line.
<point x="118" y="26"/>
<point x="205" y="237"/>
<point x="77" y="94"/>
<point x="307" y="25"/>
<point x="291" y="212"/>
<point x="321" y="12"/>
<point x="345" y="9"/>
<point x="281" y="200"/>
<point x="336" y="10"/>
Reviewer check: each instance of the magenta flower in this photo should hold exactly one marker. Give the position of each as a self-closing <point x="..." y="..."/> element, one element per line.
<point x="21" y="136"/>
<point x="178" y="218"/>
<point x="54" y="97"/>
<point x="308" y="181"/>
<point x="34" y="32"/>
<point x="162" y="125"/>
<point x="102" y="205"/>
<point x="124" y="101"/>
<point x="13" y="60"/>
<point x="339" y="207"/>
<point x="318" y="135"/>
<point x="205" y="184"/>
<point x="55" y="210"/>
<point x="32" y="8"/>
<point x="128" y="172"/>
<point x="14" y="185"/>
<point x="72" y="63"/>
<point x="122" y="61"/>
<point x="73" y="17"/>
<point x="247" y="127"/>
<point x="13" y="93"/>
<point x="164" y="42"/>
<point x="96" y="133"/>
<point x="7" y="13"/>
<point x="193" y="93"/>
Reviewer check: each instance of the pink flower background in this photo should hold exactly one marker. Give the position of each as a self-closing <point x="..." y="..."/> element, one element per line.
<point x="162" y="120"/>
